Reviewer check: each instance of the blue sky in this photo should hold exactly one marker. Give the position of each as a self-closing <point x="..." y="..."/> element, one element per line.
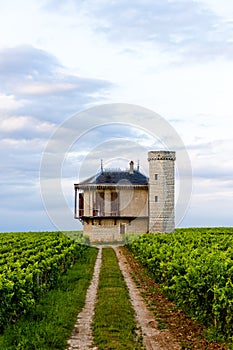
<point x="174" y="57"/>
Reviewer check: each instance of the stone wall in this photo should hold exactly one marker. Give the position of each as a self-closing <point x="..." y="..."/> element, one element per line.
<point x="161" y="191"/>
<point x="112" y="230"/>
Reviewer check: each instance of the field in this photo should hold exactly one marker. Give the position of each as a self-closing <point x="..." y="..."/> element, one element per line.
<point x="194" y="267"/>
<point x="44" y="277"/>
<point x="30" y="265"/>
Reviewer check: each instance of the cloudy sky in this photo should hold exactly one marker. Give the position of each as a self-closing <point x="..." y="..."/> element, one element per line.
<point x="57" y="59"/>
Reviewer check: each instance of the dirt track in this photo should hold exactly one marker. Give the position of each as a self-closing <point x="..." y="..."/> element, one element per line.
<point x="153" y="338"/>
<point x="179" y="331"/>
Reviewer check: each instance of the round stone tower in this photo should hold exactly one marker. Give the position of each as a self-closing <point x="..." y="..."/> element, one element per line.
<point x="161" y="191"/>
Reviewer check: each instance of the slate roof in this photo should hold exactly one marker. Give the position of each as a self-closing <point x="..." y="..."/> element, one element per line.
<point x="115" y="177"/>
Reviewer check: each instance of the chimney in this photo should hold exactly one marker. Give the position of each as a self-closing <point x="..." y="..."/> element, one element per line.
<point x="101" y="166"/>
<point x="131" y="164"/>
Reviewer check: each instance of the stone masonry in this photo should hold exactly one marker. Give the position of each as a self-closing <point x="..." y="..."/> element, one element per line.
<point x="161" y="191"/>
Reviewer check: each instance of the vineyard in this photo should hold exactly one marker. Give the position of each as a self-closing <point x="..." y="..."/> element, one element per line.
<point x="43" y="289"/>
<point x="30" y="265"/>
<point x="195" y="269"/>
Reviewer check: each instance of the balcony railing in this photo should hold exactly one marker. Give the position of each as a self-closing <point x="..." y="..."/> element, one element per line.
<point x="99" y="213"/>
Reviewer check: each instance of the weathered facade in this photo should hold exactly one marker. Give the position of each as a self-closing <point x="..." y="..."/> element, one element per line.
<point x="112" y="203"/>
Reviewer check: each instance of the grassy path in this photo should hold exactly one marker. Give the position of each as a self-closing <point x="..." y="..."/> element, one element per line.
<point x="114" y="322"/>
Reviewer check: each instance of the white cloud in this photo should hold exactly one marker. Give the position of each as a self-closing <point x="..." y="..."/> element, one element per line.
<point x="27" y="124"/>
<point x="51" y="91"/>
<point x="45" y="88"/>
<point x="223" y="8"/>
<point x="10" y="103"/>
<point x="12" y="124"/>
<point x="22" y="146"/>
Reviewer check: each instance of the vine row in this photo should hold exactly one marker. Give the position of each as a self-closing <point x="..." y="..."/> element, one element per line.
<point x="30" y="265"/>
<point x="195" y="269"/>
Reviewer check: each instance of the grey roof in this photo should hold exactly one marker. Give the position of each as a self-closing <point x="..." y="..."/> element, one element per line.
<point x="115" y="177"/>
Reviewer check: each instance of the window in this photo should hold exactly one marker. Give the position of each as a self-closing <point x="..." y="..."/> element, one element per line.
<point x="115" y="204"/>
<point x="156" y="176"/>
<point x="156" y="199"/>
<point x="100" y="203"/>
<point x="81" y="204"/>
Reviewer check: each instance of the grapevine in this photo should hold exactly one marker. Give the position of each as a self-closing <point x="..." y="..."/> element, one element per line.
<point x="195" y="269"/>
<point x="30" y="265"/>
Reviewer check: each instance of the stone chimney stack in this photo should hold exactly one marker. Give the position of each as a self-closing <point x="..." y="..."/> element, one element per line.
<point x="131" y="167"/>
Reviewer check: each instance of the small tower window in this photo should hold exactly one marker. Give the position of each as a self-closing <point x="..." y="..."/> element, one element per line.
<point x="156" y="176"/>
<point x="156" y="199"/>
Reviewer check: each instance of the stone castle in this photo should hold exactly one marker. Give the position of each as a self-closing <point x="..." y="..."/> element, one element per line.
<point x="112" y="203"/>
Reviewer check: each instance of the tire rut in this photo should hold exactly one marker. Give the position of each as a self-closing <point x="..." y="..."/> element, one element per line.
<point x="153" y="338"/>
<point x="81" y="337"/>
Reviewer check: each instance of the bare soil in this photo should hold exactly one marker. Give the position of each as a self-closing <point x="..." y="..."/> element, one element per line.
<point x="153" y="338"/>
<point x="81" y="337"/>
<point x="181" y="329"/>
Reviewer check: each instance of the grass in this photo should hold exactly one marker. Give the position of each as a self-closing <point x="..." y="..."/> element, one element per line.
<point x="114" y="324"/>
<point x="50" y="323"/>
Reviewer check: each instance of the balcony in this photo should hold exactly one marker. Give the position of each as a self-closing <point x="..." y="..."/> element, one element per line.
<point x="98" y="213"/>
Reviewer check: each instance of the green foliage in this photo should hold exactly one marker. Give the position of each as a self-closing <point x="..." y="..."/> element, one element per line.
<point x="78" y="237"/>
<point x="130" y="237"/>
<point x="114" y="323"/>
<point x="30" y="265"/>
<point x="49" y="324"/>
<point x="195" y="268"/>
